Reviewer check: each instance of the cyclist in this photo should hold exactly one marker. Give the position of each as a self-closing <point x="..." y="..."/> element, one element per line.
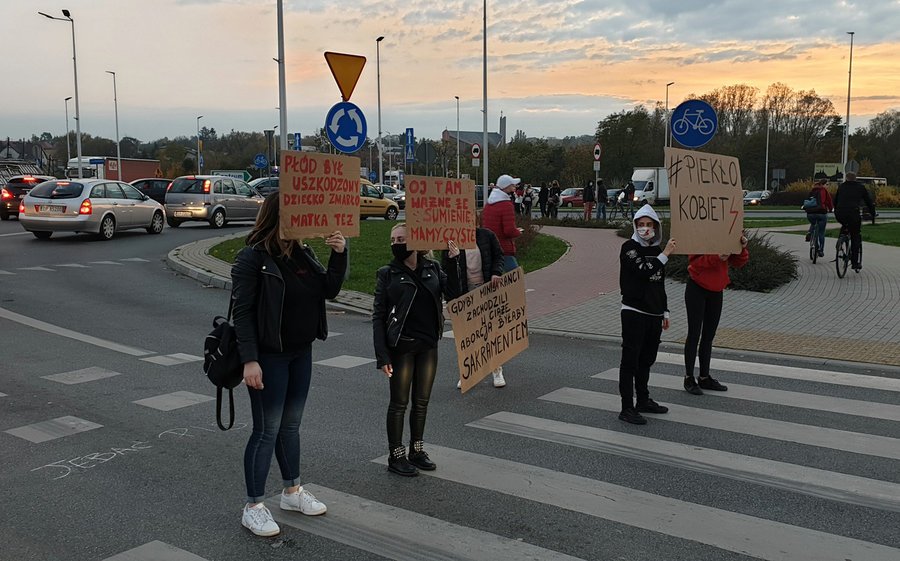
<point x="847" y="201"/>
<point x="818" y="216"/>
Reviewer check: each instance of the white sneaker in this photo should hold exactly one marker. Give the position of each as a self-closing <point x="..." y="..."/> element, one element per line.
<point x="499" y="381"/>
<point x="259" y="520"/>
<point x="303" y="501"/>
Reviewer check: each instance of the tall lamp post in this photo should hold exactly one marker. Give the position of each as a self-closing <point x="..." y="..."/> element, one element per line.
<point x="68" y="17"/>
<point x="199" y="155"/>
<point x="667" y="142"/>
<point x="847" y="127"/>
<point x="457" y="136"/>
<point x="118" y="143"/>
<point x="282" y="93"/>
<point x="68" y="148"/>
<point x="378" y="142"/>
<point x="484" y="139"/>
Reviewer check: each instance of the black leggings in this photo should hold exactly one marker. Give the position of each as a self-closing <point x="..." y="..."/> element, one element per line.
<point x="415" y="366"/>
<point x="852" y="221"/>
<point x="704" y="308"/>
<point x="640" y="343"/>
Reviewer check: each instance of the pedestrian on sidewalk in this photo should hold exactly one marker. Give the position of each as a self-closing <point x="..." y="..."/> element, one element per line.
<point x="588" y="197"/>
<point x="554" y="200"/>
<point x="629" y="198"/>
<point x="499" y="217"/>
<point x="703" y="303"/>
<point x="474" y="267"/>
<point x="527" y="200"/>
<point x="601" y="200"/>
<point x="407" y="322"/>
<point x="645" y="312"/>
<point x="543" y="196"/>
<point x="818" y="215"/>
<point x="279" y="292"/>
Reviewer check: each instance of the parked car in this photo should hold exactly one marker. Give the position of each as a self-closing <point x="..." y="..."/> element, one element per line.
<point x="572" y="197"/>
<point x="98" y="206"/>
<point x="153" y="187"/>
<point x="211" y="198"/>
<point x="265" y="185"/>
<point x="16" y="188"/>
<point x="372" y="202"/>
<point x="394" y="194"/>
<point x="755" y="198"/>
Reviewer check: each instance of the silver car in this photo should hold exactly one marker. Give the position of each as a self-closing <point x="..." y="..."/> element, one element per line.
<point x="211" y="198"/>
<point x="98" y="206"/>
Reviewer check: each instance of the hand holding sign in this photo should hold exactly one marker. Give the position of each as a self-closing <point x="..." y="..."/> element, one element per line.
<point x="336" y="242"/>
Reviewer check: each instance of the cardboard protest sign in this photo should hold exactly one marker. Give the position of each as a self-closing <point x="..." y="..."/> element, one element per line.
<point x="439" y="209"/>
<point x="707" y="207"/>
<point x="319" y="194"/>
<point x="490" y="326"/>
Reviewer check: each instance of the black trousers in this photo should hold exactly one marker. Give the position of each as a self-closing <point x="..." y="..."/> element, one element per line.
<point x="415" y="366"/>
<point x="704" y="308"/>
<point x="853" y="222"/>
<point x="640" y="343"/>
<point x="543" y="205"/>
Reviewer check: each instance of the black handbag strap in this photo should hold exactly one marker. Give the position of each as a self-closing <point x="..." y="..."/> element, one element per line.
<point x="219" y="408"/>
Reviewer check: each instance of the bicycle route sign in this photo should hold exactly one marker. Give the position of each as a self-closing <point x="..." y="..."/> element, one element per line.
<point x="694" y="123"/>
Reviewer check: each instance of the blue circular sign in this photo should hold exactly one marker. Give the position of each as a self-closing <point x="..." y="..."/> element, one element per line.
<point x="260" y="161"/>
<point x="345" y="126"/>
<point x="373" y="176"/>
<point x="694" y="123"/>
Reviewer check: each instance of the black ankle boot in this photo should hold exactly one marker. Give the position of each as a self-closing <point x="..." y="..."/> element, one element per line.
<point x="419" y="458"/>
<point x="398" y="463"/>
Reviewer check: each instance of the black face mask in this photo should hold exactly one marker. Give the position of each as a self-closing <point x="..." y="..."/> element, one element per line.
<point x="400" y="252"/>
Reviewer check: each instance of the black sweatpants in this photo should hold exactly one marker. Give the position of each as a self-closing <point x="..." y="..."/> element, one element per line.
<point x="853" y="222"/>
<point x="704" y="308"/>
<point x="640" y="343"/>
<point x="415" y="366"/>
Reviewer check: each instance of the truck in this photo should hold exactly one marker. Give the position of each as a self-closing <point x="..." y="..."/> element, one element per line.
<point x="651" y="185"/>
<point x="106" y="167"/>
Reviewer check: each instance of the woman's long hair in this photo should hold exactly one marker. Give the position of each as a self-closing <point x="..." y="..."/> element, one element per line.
<point x="266" y="231"/>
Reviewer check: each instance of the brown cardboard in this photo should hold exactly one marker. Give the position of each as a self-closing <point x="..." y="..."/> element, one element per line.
<point x="439" y="209"/>
<point x="319" y="195"/>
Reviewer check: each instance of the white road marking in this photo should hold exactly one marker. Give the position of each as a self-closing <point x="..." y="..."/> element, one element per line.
<point x="6" y="273"/>
<point x="73" y="265"/>
<point x="35" y="269"/>
<point x="155" y="551"/>
<point x="14" y="234"/>
<point x="81" y="376"/>
<point x="345" y="361"/>
<point x="105" y="263"/>
<point x="53" y="429"/>
<point x="135" y="260"/>
<point x="174" y="400"/>
<point x="172" y="360"/>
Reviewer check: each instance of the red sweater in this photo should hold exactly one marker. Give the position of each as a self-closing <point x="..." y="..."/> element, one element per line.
<point x="500" y="218"/>
<point x="711" y="273"/>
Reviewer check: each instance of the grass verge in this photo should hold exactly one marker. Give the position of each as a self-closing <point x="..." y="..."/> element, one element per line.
<point x="883" y="233"/>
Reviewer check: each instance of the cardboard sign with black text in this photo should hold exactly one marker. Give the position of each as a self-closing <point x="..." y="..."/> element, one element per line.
<point x="490" y="326"/>
<point x="707" y="207"/>
<point x="319" y="195"/>
<point x="439" y="209"/>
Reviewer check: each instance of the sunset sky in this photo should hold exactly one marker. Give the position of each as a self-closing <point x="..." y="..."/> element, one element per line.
<point x="555" y="67"/>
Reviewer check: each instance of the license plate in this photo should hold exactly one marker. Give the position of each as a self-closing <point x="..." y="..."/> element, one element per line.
<point x="52" y="209"/>
<point x="182" y="213"/>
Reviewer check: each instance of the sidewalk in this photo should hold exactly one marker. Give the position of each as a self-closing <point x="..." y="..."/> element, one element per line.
<point x="817" y="315"/>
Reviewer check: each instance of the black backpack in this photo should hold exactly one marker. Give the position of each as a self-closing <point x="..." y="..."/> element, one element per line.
<point x="222" y="363"/>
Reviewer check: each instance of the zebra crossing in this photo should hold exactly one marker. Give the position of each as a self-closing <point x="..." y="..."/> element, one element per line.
<point x="60" y="267"/>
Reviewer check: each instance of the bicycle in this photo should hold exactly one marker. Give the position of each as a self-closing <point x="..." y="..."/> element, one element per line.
<point x="814" y="247"/>
<point x="842" y="251"/>
<point x="694" y="120"/>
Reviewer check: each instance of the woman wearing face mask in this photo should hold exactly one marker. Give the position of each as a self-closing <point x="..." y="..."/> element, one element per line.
<point x="407" y="322"/>
<point x="703" y="302"/>
<point x="645" y="313"/>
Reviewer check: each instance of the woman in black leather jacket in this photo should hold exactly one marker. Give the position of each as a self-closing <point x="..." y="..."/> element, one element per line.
<point x="279" y="290"/>
<point x="407" y="323"/>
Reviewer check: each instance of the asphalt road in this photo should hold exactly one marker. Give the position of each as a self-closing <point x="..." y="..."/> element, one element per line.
<point x="541" y="469"/>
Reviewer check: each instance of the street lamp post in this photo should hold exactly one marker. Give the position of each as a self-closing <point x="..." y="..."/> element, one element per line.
<point x="766" y="173"/>
<point x="118" y="142"/>
<point x="457" y="136"/>
<point x="484" y="137"/>
<point x="378" y="71"/>
<point x="847" y="127"/>
<point x="199" y="155"/>
<point x="282" y="93"/>
<point x="68" y="148"/>
<point x="667" y="142"/>
<point x="68" y="17"/>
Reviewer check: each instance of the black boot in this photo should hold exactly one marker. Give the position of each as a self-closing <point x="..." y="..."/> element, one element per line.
<point x="419" y="458"/>
<point x="398" y="463"/>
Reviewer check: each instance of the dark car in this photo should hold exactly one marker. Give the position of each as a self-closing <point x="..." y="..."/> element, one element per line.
<point x="153" y="187"/>
<point x="15" y="190"/>
<point x="265" y="185"/>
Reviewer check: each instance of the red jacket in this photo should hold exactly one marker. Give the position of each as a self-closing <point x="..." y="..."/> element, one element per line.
<point x="711" y="273"/>
<point x="824" y="197"/>
<point x="500" y="218"/>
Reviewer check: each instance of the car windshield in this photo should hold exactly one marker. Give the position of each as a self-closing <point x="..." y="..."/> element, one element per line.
<point x="754" y="194"/>
<point x="257" y="181"/>
<point x="569" y="192"/>
<point x="57" y="190"/>
<point x="187" y="185"/>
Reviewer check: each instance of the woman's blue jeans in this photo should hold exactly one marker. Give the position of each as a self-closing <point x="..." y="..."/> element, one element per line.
<point x="277" y="411"/>
<point x="817" y="224"/>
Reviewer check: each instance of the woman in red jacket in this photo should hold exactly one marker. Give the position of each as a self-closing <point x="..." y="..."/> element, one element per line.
<point x="703" y="301"/>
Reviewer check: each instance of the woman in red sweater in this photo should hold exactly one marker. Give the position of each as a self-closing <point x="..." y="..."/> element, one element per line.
<point x="703" y="301"/>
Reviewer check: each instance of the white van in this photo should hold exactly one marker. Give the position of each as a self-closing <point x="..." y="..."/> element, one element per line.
<point x="650" y="185"/>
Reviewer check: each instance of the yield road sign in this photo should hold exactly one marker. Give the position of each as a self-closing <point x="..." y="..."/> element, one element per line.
<point x="346" y="70"/>
<point x="345" y="126"/>
<point x="476" y="150"/>
<point x="260" y="161"/>
<point x="694" y="123"/>
<point x="597" y="151"/>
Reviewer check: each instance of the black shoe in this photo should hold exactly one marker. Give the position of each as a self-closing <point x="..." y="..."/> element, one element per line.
<point x="419" y="458"/>
<point x="808" y="236"/>
<point x="691" y="387"/>
<point x="630" y="415"/>
<point x="712" y="384"/>
<point x="651" y="406"/>
<point x="398" y="463"/>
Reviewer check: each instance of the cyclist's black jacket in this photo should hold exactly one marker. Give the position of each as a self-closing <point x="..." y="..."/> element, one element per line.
<point x="849" y="196"/>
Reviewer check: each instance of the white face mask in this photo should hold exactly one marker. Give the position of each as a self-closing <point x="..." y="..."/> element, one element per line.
<point x="646" y="233"/>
